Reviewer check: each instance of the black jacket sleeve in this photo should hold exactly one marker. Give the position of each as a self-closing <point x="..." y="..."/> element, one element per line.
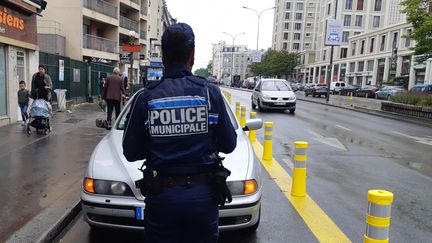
<point x="135" y="130"/>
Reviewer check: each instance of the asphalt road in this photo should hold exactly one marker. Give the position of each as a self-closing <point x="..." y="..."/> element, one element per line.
<point x="350" y="153"/>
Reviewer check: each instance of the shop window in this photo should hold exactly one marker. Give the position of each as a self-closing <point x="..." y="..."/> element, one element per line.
<point x="3" y="109"/>
<point x="21" y="66"/>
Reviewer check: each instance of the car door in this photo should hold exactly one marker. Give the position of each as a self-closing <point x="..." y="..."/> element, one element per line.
<point x="256" y="94"/>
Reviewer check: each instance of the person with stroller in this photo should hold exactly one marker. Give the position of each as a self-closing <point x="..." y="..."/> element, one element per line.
<point x="23" y="101"/>
<point x="41" y="85"/>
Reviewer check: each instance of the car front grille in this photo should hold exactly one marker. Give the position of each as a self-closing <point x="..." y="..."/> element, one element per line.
<point x="234" y="220"/>
<point x="115" y="220"/>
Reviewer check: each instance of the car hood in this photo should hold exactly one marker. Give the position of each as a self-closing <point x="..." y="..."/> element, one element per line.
<point x="279" y="94"/>
<point x="109" y="163"/>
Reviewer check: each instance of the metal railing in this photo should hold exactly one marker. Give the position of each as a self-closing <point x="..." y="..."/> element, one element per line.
<point x="128" y="24"/>
<point x="143" y="10"/>
<point x="99" y="43"/>
<point x="143" y="35"/>
<point x="102" y="7"/>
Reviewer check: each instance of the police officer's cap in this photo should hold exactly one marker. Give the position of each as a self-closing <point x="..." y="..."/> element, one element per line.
<point x="171" y="34"/>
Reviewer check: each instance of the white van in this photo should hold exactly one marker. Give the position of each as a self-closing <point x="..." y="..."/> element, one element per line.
<point x="336" y="86"/>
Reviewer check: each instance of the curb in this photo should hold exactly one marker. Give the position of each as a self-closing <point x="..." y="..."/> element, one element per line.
<point x="379" y="113"/>
<point x="61" y="224"/>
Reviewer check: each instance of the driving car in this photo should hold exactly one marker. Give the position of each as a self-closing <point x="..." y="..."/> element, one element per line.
<point x="316" y="90"/>
<point x="110" y="198"/>
<point x="366" y="91"/>
<point x="273" y="94"/>
<point x="389" y="91"/>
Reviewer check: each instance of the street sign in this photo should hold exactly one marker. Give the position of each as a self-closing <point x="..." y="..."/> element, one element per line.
<point x="131" y="48"/>
<point x="256" y="56"/>
<point x="125" y="57"/>
<point x="333" y="35"/>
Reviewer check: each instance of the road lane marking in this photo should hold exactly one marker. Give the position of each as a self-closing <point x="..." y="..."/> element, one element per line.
<point x="423" y="140"/>
<point x="320" y="224"/>
<point x="344" y="128"/>
<point x="334" y="142"/>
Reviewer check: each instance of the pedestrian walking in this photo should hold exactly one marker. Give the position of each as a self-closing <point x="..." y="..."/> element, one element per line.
<point x="23" y="101"/>
<point x="178" y="125"/>
<point x="41" y="85"/>
<point x="113" y="93"/>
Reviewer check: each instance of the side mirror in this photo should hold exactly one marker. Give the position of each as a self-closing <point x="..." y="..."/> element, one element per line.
<point x="253" y="124"/>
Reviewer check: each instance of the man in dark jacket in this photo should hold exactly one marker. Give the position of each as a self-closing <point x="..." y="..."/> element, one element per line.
<point x="113" y="92"/>
<point x="176" y="124"/>
<point x="41" y="85"/>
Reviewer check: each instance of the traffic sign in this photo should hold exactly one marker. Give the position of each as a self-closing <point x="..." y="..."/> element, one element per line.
<point x="333" y="32"/>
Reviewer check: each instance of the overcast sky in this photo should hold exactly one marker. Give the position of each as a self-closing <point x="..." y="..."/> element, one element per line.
<point x="209" y="18"/>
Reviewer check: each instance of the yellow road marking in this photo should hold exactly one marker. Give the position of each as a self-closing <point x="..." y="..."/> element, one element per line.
<point x="324" y="229"/>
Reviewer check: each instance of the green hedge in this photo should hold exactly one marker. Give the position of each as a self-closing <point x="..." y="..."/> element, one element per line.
<point x="413" y="98"/>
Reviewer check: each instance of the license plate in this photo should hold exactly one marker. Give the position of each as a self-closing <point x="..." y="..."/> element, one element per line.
<point x="139" y="213"/>
<point x="280" y="103"/>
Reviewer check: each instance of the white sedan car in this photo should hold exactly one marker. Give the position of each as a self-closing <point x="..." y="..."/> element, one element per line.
<point x="110" y="198"/>
<point x="273" y="94"/>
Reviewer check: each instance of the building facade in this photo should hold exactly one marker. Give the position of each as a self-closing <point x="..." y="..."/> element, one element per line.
<point x="18" y="53"/>
<point x="97" y="30"/>
<point x="230" y="60"/>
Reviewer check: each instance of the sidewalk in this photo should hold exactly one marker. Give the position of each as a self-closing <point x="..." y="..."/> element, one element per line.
<point x="41" y="176"/>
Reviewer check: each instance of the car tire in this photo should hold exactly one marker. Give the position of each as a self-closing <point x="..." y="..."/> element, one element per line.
<point x="259" y="106"/>
<point x="306" y="94"/>
<point x="254" y="227"/>
<point x="253" y="105"/>
<point x="313" y="95"/>
<point x="388" y="97"/>
<point x="291" y="111"/>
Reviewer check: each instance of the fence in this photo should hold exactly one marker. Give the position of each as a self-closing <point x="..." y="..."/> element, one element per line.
<point x="98" y="73"/>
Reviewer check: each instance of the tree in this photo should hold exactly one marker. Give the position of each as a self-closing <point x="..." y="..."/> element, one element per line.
<point x="210" y="66"/>
<point x="419" y="15"/>
<point x="276" y="63"/>
<point x="203" y="72"/>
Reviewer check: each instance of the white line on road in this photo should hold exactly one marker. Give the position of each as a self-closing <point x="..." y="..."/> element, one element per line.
<point x="423" y="140"/>
<point x="344" y="128"/>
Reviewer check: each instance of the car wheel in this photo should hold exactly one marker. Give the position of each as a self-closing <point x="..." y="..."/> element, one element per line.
<point x="259" y="106"/>
<point x="253" y="105"/>
<point x="292" y="111"/>
<point x="313" y="95"/>
<point x="388" y="97"/>
<point x="254" y="227"/>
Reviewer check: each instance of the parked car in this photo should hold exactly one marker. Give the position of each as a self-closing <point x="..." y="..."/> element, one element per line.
<point x="336" y="86"/>
<point x="366" y="91"/>
<point x="316" y="90"/>
<point x="424" y="88"/>
<point x="348" y="89"/>
<point x="273" y="94"/>
<point x="389" y="91"/>
<point x="110" y="198"/>
<point x="250" y="83"/>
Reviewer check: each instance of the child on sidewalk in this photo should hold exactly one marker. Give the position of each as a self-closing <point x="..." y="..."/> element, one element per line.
<point x="23" y="101"/>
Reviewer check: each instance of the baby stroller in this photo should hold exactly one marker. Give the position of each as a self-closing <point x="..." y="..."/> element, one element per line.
<point x="40" y="112"/>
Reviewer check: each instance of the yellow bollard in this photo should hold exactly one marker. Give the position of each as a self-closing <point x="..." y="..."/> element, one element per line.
<point x="237" y="112"/>
<point x="350" y="95"/>
<point x="252" y="134"/>
<point x="298" y="187"/>
<point x="268" y="143"/>
<point x="243" y="116"/>
<point x="228" y="95"/>
<point x="378" y="216"/>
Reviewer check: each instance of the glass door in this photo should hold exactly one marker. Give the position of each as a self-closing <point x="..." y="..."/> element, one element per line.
<point x="3" y="100"/>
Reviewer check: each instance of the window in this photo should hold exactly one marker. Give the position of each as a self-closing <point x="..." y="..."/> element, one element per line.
<point x="308" y="24"/>
<point x="370" y="65"/>
<point x="285" y="37"/>
<point x="285" y="46"/>
<point x="376" y="21"/>
<point x="299" y="6"/>
<point x="377" y="6"/>
<point x="344" y="52"/>
<point x="3" y="96"/>
<point x="307" y="44"/>
<point x="372" y="44"/>
<point x="382" y="46"/>
<point x="296" y="46"/>
<point x="395" y="40"/>
<point x="298" y="16"/>
<point x="308" y="34"/>
<point x="287" y="15"/>
<point x="353" y="48"/>
<point x="358" y="21"/>
<point x="328" y="9"/>
<point x="360" y="4"/>
<point x="352" y="67"/>
<point x="362" y="47"/>
<point x="347" y="20"/>
<point x="286" y="26"/>
<point x="296" y="36"/>
<point x="310" y="14"/>
<point x="297" y="26"/>
<point x="407" y="39"/>
<point x="324" y="55"/>
<point x="345" y="36"/>
<point x="357" y="32"/>
<point x="348" y="4"/>
<point x="360" y="67"/>
<point x="288" y="6"/>
<point x="311" y="4"/>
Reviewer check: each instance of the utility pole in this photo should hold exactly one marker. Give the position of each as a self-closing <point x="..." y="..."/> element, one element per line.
<point x="331" y="61"/>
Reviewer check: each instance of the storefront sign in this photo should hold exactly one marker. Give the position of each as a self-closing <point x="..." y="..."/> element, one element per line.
<point x="17" y="25"/>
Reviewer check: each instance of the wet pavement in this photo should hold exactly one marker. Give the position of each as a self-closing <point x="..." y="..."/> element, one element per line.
<point x="37" y="171"/>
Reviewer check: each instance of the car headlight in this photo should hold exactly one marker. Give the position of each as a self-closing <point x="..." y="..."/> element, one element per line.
<point x="266" y="97"/>
<point x="106" y="187"/>
<point x="241" y="188"/>
<point x="292" y="98"/>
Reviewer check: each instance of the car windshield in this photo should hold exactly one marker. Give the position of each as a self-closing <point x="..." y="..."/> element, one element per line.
<point x="122" y="123"/>
<point x="275" y="85"/>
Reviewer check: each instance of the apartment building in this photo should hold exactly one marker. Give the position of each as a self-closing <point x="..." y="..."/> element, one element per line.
<point x="227" y="58"/>
<point x="97" y="30"/>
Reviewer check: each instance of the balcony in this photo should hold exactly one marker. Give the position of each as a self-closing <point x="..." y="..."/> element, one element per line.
<point x="102" y="7"/>
<point x="128" y="24"/>
<point x="99" y="43"/>
<point x="144" y="10"/>
<point x="143" y="35"/>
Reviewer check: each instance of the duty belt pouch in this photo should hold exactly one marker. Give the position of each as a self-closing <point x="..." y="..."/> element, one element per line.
<point x="150" y="184"/>
<point x="221" y="192"/>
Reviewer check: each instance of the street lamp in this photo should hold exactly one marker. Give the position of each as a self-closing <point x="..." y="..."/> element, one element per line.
<point x="259" y="18"/>
<point x="232" y="59"/>
<point x="132" y="35"/>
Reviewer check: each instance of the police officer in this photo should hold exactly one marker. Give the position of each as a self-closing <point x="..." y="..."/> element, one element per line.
<point x="175" y="124"/>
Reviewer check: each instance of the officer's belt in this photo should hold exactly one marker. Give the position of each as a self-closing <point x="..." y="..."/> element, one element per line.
<point x="170" y="181"/>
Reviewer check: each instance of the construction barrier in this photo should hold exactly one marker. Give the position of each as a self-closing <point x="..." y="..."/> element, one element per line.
<point x="268" y="142"/>
<point x="298" y="187"/>
<point x="252" y="134"/>
<point x="378" y="216"/>
<point x="237" y="110"/>
<point x="243" y="116"/>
